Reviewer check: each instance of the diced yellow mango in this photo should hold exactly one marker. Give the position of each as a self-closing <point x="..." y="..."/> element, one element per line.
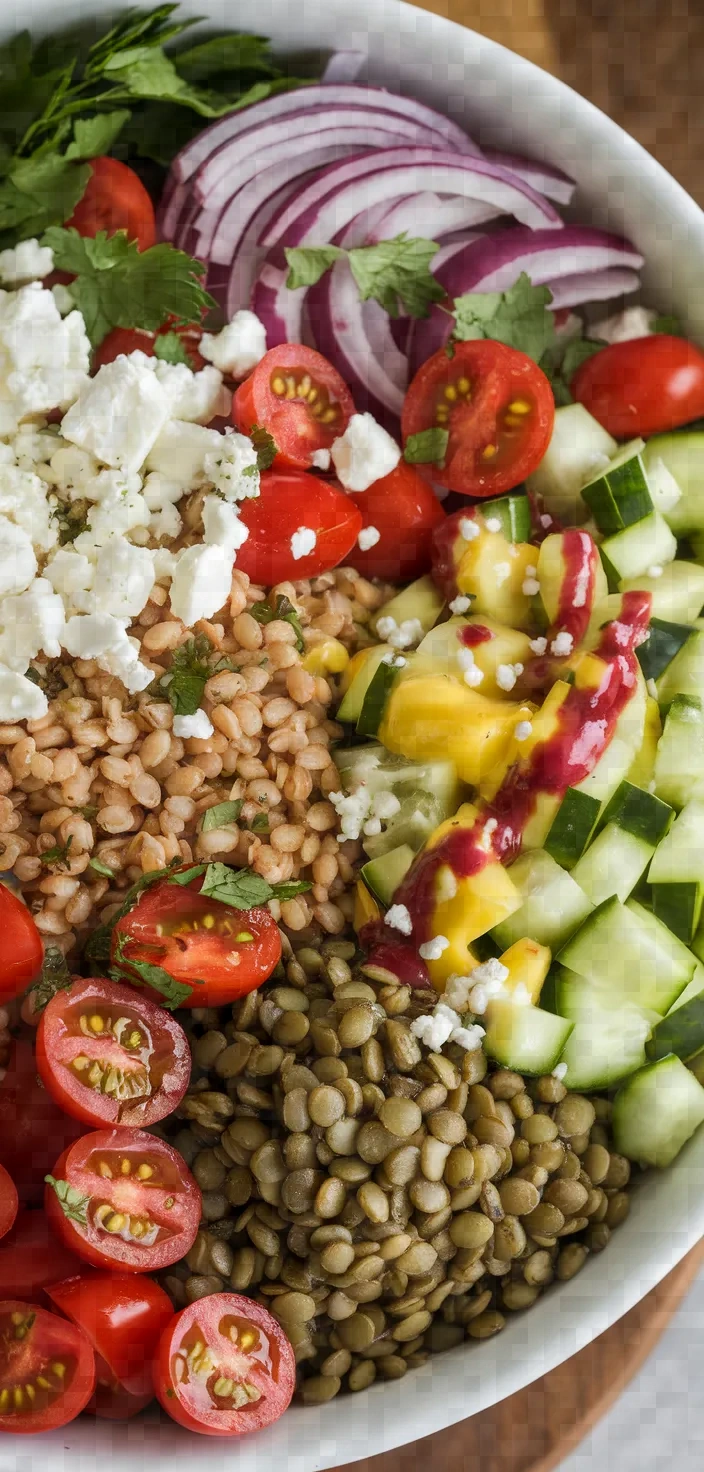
<point x="641" y="773"/>
<point x="465" y="817"/>
<point x="493" y="571"/>
<point x="435" y="717"/>
<point x="329" y="657"/>
<point x="365" y="907"/>
<point x="528" y="965"/>
<point x="552" y="571"/>
<point x="437" y="653"/>
<point x="589" y="671"/>
<point x="478" y="903"/>
<point x="352" y="668"/>
<point x="544" y="723"/>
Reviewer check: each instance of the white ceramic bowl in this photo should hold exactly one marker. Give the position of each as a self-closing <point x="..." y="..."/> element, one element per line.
<point x="509" y="103"/>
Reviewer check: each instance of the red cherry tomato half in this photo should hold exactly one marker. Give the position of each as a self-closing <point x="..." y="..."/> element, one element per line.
<point x="289" y="502"/>
<point x="109" y="1055"/>
<point x="224" y="1367"/>
<point x="124" y="1199"/>
<point x="643" y="387"/>
<point x="123" y="1315"/>
<point x="404" y="510"/>
<point x="33" y="1130"/>
<point x="299" y="398"/>
<point x="125" y="340"/>
<point x="31" y="1256"/>
<point x="21" y="949"/>
<point x="497" y="407"/>
<point x="199" y="940"/>
<point x="9" y="1201"/>
<point x="47" y="1369"/>
<point x="115" y="199"/>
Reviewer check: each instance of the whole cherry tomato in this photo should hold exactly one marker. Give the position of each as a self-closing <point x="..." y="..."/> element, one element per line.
<point x="297" y="395"/>
<point x="47" y="1369"/>
<point x="115" y="199"/>
<point x="299" y="526"/>
<point x="644" y="386"/>
<point x="21" y="948"/>
<point x="123" y="1315"/>
<point x="402" y="508"/>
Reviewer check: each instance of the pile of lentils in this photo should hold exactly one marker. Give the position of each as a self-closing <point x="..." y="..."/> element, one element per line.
<point x="382" y="1201"/>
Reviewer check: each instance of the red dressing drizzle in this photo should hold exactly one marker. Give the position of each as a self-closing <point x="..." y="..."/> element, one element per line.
<point x="472" y="634"/>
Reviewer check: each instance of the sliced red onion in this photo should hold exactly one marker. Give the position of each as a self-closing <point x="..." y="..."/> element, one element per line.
<point x="547" y="180"/>
<point x="430" y="216"/>
<point x="344" y="66"/>
<point x="593" y="286"/>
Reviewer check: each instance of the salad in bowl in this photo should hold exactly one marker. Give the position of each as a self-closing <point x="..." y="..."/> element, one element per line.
<point x="352" y="729"/>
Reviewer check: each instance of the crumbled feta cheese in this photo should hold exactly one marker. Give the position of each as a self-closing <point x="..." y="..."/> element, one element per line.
<point x="538" y="646"/>
<point x="63" y="299"/>
<point x="238" y="348"/>
<point x="195" y="398"/>
<point x="320" y="459"/>
<point x="624" y="326"/>
<point x="465" y="658"/>
<point x="71" y="470"/>
<point x="222" y="526"/>
<point x="396" y="661"/>
<point x="435" y="1028"/>
<point x="166" y="523"/>
<point x="546" y="520"/>
<point x="198" y="725"/>
<point x="523" y="730"/>
<point x="469" y="1038"/>
<point x="492" y="523"/>
<point x="502" y="571"/>
<point x="119" y="414"/>
<point x="505" y="676"/>
<point x="400" y="636"/>
<point x="180" y="451"/>
<point x="230" y="464"/>
<point x="201" y="583"/>
<point x="124" y="578"/>
<point x="457" y="991"/>
<point x="372" y="827"/>
<point x="18" y="563"/>
<point x="398" y="918"/>
<point x="368" y="537"/>
<point x="44" y="358"/>
<point x="23" y="499"/>
<point x="115" y="515"/>
<point x="71" y="575"/>
<point x="101" y="636"/>
<point x="29" y="623"/>
<point x="364" y="453"/>
<point x="431" y="950"/>
<point x="164" y="564"/>
<point x="20" y="698"/>
<point x="473" y="677"/>
<point x="385" y="805"/>
<point x="530" y="587"/>
<point x="655" y="571"/>
<point x="531" y="571"/>
<point x="28" y="261"/>
<point x="486" y="981"/>
<point x="460" y="604"/>
<point x="352" y="809"/>
<point x="562" y="644"/>
<point x="560" y="1070"/>
<point x="469" y="529"/>
<point x="303" y="542"/>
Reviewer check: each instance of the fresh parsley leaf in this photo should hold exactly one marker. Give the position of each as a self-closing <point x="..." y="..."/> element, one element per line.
<point x="259" y="823"/>
<point x="71" y="520"/>
<point x="560" y="363"/>
<point x="396" y="273"/>
<point x="39" y="191"/>
<point x="289" y="888"/>
<point x="518" y="317"/>
<point x="58" y="855"/>
<point x="101" y="868"/>
<point x="184" y="876"/>
<point x="73" y="1203"/>
<point x="283" y="609"/>
<point x="54" y="977"/>
<point x="184" y="683"/>
<point x="173" y="993"/>
<point x="117" y="285"/>
<point x="228" y="53"/>
<point x="170" y="348"/>
<point x="49" y="679"/>
<point x="307" y="263"/>
<point x="672" y="326"/>
<point x="265" y="446"/>
<point x="221" y="815"/>
<point x="237" y="887"/>
<point x="95" y="136"/>
<point x="428" y="447"/>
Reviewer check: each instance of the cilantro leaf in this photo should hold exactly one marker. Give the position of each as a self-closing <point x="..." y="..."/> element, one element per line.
<point x="39" y="191"/>
<point x="289" y="888"/>
<point x="561" y="361"/>
<point x="184" y="683"/>
<point x="173" y="993"/>
<point x="221" y="815"/>
<point x="518" y="317"/>
<point x="265" y="446"/>
<point x="229" y="53"/>
<point x="170" y="348"/>
<point x="101" y="868"/>
<point x="396" y="273"/>
<point x="54" y="977"/>
<point x="95" y="136"/>
<point x="283" y="609"/>
<point x="117" y="285"/>
<point x="57" y="855"/>
<point x="237" y="887"/>
<point x="307" y="263"/>
<point x="428" y="447"/>
<point x="259" y="823"/>
<point x="73" y="1203"/>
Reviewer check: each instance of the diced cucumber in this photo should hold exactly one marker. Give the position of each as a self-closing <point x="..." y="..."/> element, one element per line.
<point x="609" y="1037"/>
<point x="664" y="641"/>
<point x="677" y="873"/>
<point x="685" y="674"/>
<point x="421" y="599"/>
<point x="572" y="827"/>
<point x="613" y="864"/>
<point x="383" y="876"/>
<point x="418" y="816"/>
<point x="514" y="514"/>
<point x="376" y="696"/>
<point x="428" y="792"/>
<point x="524" y="1038"/>
<point x="619" y="495"/>
<point x="677" y="592"/>
<point x="352" y="701"/>
<point x="683" y="456"/>
<point x="682" y="1031"/>
<point x="553" y="905"/>
<point x="578" y="446"/>
<point x="679" y="763"/>
<point x="626" y="953"/>
<point x="639" y="812"/>
<point x="628" y="554"/>
<point x="656" y="1111"/>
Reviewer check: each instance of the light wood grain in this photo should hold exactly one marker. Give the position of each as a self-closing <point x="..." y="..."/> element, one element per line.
<point x="519" y="24"/>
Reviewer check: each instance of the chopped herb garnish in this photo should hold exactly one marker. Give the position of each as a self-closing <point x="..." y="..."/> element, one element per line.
<point x="265" y="446"/>
<point x="192" y="666"/>
<point x="54" y="977"/>
<point x="71" y="521"/>
<point x="518" y="317"/>
<point x="243" y="890"/>
<point x="221" y="815"/>
<point x="173" y="993"/>
<point x="170" y="348"/>
<point x="101" y="868"/>
<point x="396" y="273"/>
<point x="562" y="359"/>
<point x="73" y="1203"/>
<point x="428" y="447"/>
<point x="259" y="823"/>
<point x="58" y="855"/>
<point x="283" y="609"/>
<point x="50" y="680"/>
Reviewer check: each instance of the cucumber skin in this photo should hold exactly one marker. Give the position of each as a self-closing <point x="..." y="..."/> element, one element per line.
<point x="681" y="1032"/>
<point x="523" y="1053"/>
<point x="650" y="1124"/>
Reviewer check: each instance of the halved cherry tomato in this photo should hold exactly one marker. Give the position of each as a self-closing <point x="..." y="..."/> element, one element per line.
<point x="224" y="1367"/>
<point x="299" y="398"/>
<point x="31" y="1256"/>
<point x="404" y="510"/>
<point x="124" y="1199"/>
<point x="291" y="501"/>
<point x="21" y="948"/>
<point x="123" y="1315"/>
<point x="641" y="387"/>
<point x="221" y="952"/>
<point x="115" y="199"/>
<point x="9" y="1201"/>
<point x="498" y="408"/>
<point x="110" y="1056"/>
<point x="47" y="1369"/>
<point x="124" y="340"/>
<point x="33" y="1130"/>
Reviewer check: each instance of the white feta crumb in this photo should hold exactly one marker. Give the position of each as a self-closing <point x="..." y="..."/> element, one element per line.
<point x="201" y="583"/>
<point x="396" y="661"/>
<point x="523" y="730"/>
<point x="624" y="326"/>
<point x="119" y="414"/>
<point x="492" y="523"/>
<point x="238" y="348"/>
<point x="63" y="299"/>
<point x="431" y="950"/>
<point x="71" y="575"/>
<point x="546" y="520"/>
<point x="101" y="636"/>
<point x="303" y="542"/>
<point x="320" y="459"/>
<point x="460" y="604"/>
<point x="124" y="578"/>
<point x="506" y="676"/>
<point x="18" y="564"/>
<point x="20" y="698"/>
<point x="181" y="451"/>
<point x="398" y="918"/>
<point x="655" y="571"/>
<point x="502" y="571"/>
<point x="473" y="677"/>
<point x="28" y="261"/>
<point x="230" y="464"/>
<point x="222" y="526"/>
<point x="44" y="359"/>
<point x="465" y="658"/>
<point x="195" y="398"/>
<point x="560" y="1070"/>
<point x="434" y="1029"/>
<point x="372" y="827"/>
<point x="562" y="644"/>
<point x="469" y="528"/>
<point x="198" y="725"/>
<point x="530" y="587"/>
<point x="30" y="622"/>
<point x="364" y="454"/>
<point x="531" y="571"/>
<point x="368" y="537"/>
<point x="469" y="1038"/>
<point x="457" y="991"/>
<point x="652" y="688"/>
<point x="352" y="809"/>
<point x="385" y="805"/>
<point x="490" y="973"/>
<point x="538" y="646"/>
<point x="400" y="636"/>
